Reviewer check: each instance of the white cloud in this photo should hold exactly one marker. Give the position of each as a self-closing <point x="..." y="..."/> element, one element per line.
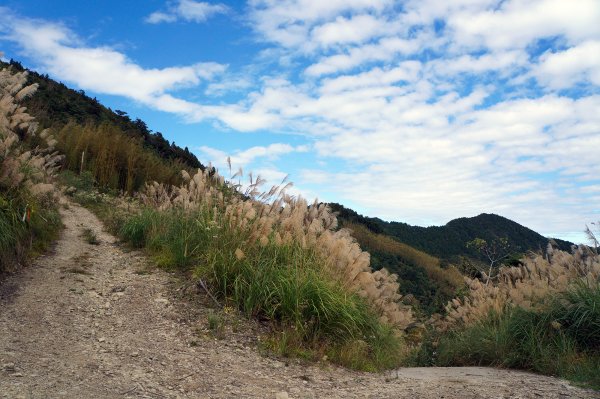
<point x="385" y="49"/>
<point x="502" y="61"/>
<point x="187" y="10"/>
<point x="228" y="85"/>
<point x="288" y="22"/>
<point x="563" y="69"/>
<point x="356" y="29"/>
<point x="242" y="158"/>
<point x="405" y="72"/>
<point x="103" y="69"/>
<point x="516" y="23"/>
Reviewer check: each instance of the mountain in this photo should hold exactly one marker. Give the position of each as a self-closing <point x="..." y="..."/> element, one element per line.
<point x="427" y="282"/>
<point x="429" y="261"/>
<point x="449" y="241"/>
<point x="55" y="105"/>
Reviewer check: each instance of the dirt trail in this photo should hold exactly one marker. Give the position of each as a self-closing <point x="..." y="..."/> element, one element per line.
<point x="90" y="321"/>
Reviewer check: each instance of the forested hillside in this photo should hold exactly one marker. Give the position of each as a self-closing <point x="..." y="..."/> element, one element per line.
<point x="427" y="283"/>
<point x="449" y="241"/>
<point x="55" y="105"/>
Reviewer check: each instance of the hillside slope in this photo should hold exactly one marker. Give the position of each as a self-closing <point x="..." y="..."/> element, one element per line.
<point x="449" y="241"/>
<point x="55" y="105"/>
<point x="420" y="275"/>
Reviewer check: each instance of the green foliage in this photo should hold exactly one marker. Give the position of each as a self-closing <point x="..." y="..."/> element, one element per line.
<point x="12" y="230"/>
<point x="137" y="228"/>
<point x="578" y="313"/>
<point x="114" y="160"/>
<point x="19" y="238"/>
<point x="420" y="274"/>
<point x="82" y="182"/>
<point x="561" y="340"/>
<point x="285" y="284"/>
<point x="448" y="242"/>
<point x="55" y="105"/>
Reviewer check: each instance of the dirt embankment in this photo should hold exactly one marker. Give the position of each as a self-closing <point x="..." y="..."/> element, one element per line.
<point x="93" y="321"/>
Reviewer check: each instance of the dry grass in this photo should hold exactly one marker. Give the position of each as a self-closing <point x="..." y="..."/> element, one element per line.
<point x="274" y="217"/>
<point x="529" y="286"/>
<point x="28" y="163"/>
<point x="277" y="258"/>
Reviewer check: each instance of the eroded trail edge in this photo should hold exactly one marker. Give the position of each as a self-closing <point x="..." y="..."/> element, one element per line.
<point x="93" y="321"/>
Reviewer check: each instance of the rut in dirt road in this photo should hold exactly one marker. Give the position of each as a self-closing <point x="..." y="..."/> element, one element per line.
<point x="91" y="321"/>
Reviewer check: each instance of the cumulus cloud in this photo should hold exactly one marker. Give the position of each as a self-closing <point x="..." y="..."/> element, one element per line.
<point x="517" y="23"/>
<point x="242" y="158"/>
<point x="563" y="69"/>
<point x="356" y="29"/>
<point x="288" y="22"/>
<point x="187" y="10"/>
<point x="231" y="84"/>
<point x="104" y="70"/>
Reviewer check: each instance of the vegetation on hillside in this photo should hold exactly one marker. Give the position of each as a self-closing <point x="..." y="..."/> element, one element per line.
<point x="449" y="242"/>
<point x="115" y="160"/>
<point x="55" y="105"/>
<point x="419" y="274"/>
<point x="543" y="315"/>
<point x="28" y="216"/>
<point x="275" y="257"/>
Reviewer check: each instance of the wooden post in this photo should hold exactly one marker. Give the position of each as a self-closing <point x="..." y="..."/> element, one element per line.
<point x="82" y="159"/>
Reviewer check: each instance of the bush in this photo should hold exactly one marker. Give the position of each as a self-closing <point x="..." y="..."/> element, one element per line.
<point x="578" y="313"/>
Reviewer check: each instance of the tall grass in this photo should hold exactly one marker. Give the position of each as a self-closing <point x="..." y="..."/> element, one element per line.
<point x="542" y="316"/>
<point x="115" y="160"/>
<point x="285" y="284"/>
<point x="28" y="217"/>
<point x="276" y="259"/>
<point x="561" y="339"/>
<point x="531" y="285"/>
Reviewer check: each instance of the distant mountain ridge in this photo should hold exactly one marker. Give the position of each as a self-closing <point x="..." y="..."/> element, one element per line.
<point x="449" y="241"/>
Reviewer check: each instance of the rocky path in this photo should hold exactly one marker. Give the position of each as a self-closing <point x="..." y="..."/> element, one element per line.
<point x="92" y="321"/>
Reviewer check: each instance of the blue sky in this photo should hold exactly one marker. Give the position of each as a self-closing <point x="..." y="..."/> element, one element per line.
<point x="418" y="111"/>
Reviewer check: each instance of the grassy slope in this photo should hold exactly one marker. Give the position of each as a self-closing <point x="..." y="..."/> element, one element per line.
<point x="563" y="339"/>
<point x="55" y="105"/>
<point x="419" y="274"/>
